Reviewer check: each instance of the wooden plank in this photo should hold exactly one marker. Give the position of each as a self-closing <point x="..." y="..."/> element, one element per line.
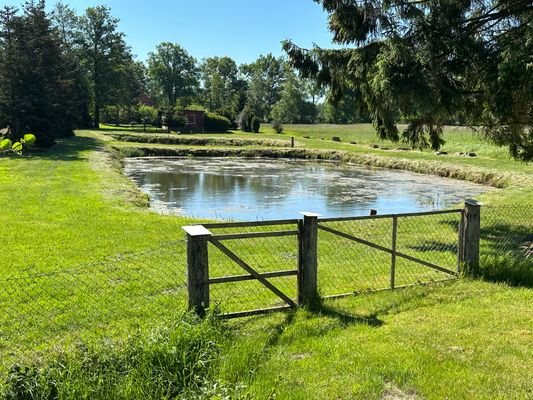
<point x="414" y="214"/>
<point x="250" y="313"/>
<point x="353" y="238"/>
<point x="251" y="223"/>
<point x="238" y="278"/>
<point x="378" y="247"/>
<point x="253" y="272"/>
<point x="249" y="235"/>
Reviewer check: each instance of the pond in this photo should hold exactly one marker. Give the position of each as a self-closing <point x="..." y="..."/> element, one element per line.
<point x="260" y="189"/>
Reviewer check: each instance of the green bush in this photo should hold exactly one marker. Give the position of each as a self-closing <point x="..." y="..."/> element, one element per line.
<point x="8" y="146"/>
<point x="216" y="123"/>
<point x="255" y="124"/>
<point x="173" y="119"/>
<point x="147" y="114"/>
<point x="245" y="119"/>
<point x="277" y="126"/>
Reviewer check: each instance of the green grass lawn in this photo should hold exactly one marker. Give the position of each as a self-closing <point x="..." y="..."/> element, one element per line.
<point x="86" y="259"/>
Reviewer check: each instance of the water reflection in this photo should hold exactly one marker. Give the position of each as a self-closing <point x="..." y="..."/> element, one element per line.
<point x="251" y="189"/>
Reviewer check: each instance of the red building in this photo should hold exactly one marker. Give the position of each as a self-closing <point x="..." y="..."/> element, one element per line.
<point x="194" y="121"/>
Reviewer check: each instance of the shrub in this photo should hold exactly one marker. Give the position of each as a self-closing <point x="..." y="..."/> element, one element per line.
<point x="173" y="119"/>
<point x="255" y="124"/>
<point x="245" y="120"/>
<point x="216" y="123"/>
<point x="148" y="114"/>
<point x="277" y="126"/>
<point x="8" y="146"/>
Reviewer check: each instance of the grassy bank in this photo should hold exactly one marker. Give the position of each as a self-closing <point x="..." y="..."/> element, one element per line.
<point x="91" y="262"/>
<point x="467" y="340"/>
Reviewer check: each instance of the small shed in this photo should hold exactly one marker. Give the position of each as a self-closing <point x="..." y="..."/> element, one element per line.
<point x="194" y="120"/>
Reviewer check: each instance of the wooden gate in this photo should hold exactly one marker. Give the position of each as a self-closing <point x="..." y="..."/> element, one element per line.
<point x="410" y="242"/>
<point x="206" y="236"/>
<point x="390" y="234"/>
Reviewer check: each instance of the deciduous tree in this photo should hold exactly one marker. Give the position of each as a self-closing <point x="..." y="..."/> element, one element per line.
<point x="266" y="76"/>
<point x="173" y="72"/>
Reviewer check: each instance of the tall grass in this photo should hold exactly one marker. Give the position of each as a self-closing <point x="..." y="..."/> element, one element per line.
<point x="166" y="363"/>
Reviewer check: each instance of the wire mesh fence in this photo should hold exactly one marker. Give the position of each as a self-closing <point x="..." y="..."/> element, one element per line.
<point x="104" y="299"/>
<point x="356" y="255"/>
<point x="506" y="235"/>
<point x="107" y="299"/>
<point x="264" y="254"/>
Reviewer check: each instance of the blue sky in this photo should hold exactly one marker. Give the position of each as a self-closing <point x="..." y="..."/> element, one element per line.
<point x="241" y="29"/>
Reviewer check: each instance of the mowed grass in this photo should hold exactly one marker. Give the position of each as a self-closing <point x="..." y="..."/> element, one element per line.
<point x="88" y="261"/>
<point x="465" y="340"/>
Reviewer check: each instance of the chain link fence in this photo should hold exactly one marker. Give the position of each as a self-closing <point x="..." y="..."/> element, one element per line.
<point x="109" y="298"/>
<point x="105" y="299"/>
<point x="347" y="265"/>
<point x="506" y="243"/>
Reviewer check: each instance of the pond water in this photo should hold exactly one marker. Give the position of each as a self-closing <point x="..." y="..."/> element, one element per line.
<point x="261" y="189"/>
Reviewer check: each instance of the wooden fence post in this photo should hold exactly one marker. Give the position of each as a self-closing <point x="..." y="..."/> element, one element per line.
<point x="470" y="237"/>
<point x="307" y="276"/>
<point x="197" y="268"/>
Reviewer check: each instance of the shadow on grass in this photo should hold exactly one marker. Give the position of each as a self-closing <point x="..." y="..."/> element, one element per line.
<point x="501" y="257"/>
<point x="69" y="149"/>
<point x="433" y="245"/>
<point x="345" y="319"/>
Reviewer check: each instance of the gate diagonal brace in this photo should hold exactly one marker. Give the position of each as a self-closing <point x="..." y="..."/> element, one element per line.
<point x="385" y="249"/>
<point x="252" y="272"/>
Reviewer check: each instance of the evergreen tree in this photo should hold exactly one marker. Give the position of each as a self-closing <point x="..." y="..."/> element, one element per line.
<point x="104" y="56"/>
<point x="37" y="83"/>
<point x="425" y="62"/>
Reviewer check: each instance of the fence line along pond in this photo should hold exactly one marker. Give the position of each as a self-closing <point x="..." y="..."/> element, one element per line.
<point x="260" y="189"/>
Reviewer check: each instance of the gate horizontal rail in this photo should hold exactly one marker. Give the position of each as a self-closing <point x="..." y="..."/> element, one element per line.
<point x="381" y="216"/>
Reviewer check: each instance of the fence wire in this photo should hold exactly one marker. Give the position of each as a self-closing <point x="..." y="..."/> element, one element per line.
<point x="104" y="299"/>
<point x="347" y="266"/>
<point x="506" y="234"/>
<point x="263" y="254"/>
<point x="107" y="299"/>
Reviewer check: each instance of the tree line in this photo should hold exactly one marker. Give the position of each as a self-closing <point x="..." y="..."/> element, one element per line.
<point x="61" y="70"/>
<point x="425" y="64"/>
